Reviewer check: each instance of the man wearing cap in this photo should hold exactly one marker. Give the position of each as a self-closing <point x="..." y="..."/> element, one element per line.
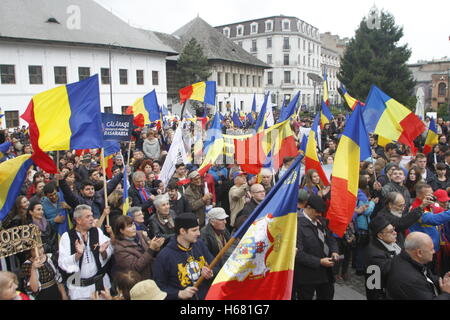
<point x="381" y="250"/>
<point x="84" y="167"/>
<point x="197" y="197"/>
<point x="181" y="263"/>
<point x="237" y="195"/>
<point x="215" y="233"/>
<point x="317" y="251"/>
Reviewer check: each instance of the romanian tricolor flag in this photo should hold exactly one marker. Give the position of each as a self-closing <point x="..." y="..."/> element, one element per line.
<point x="4" y="147"/>
<point x="387" y="117"/>
<point x="125" y="199"/>
<point x="213" y="145"/>
<point x="204" y="91"/>
<point x="65" y="118"/>
<point x="353" y="147"/>
<point x="145" y="109"/>
<point x="1" y="117"/>
<point x="12" y="175"/>
<point x="325" y="115"/>
<point x="261" y="267"/>
<point x="311" y="157"/>
<point x="351" y="102"/>
<point x="432" y="137"/>
<point x="325" y="89"/>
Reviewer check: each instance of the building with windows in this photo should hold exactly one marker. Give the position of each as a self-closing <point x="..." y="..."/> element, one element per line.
<point x="46" y="43"/>
<point x="433" y="78"/>
<point x="238" y="74"/>
<point x="290" y="46"/>
<point x="330" y="62"/>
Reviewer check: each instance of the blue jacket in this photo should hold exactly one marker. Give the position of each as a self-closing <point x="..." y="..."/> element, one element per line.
<point x="177" y="268"/>
<point x="429" y="224"/>
<point x="215" y="173"/>
<point x="363" y="219"/>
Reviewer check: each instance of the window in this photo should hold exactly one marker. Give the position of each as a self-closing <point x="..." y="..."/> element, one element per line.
<point x="124" y="109"/>
<point x="248" y="81"/>
<point x="253" y="49"/>
<point x="226" y="32"/>
<point x="286" y="25"/>
<point x="220" y="106"/>
<point x="35" y="74"/>
<point x="242" y="105"/>
<point x="286" y="45"/>
<point x="269" y="77"/>
<point x="234" y="79"/>
<point x="123" y="76"/>
<point x="108" y="109"/>
<point x="299" y="43"/>
<point x="12" y="119"/>
<point x="441" y="89"/>
<point x="241" y="80"/>
<point x="259" y="81"/>
<point x="155" y="78"/>
<point x="304" y="60"/>
<point x="60" y="75"/>
<point x="254" y="28"/>
<point x="83" y="73"/>
<point x="269" y="42"/>
<point x="227" y="79"/>
<point x="104" y="73"/>
<point x="286" y="60"/>
<point x="8" y="74"/>
<point x="219" y="78"/>
<point x="140" y="77"/>
<point x="269" y="26"/>
<point x="240" y="43"/>
<point x="269" y="59"/>
<point x="287" y="77"/>
<point x="240" y="30"/>
<point x="254" y="81"/>
<point x="304" y="45"/>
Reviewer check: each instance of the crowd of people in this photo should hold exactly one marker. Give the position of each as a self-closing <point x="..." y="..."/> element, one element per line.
<point x="172" y="232"/>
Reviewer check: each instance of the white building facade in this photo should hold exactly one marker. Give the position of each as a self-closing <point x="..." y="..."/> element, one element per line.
<point x="290" y="46"/>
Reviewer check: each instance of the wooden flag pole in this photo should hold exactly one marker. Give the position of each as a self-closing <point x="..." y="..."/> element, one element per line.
<point x="105" y="188"/>
<point x="216" y="259"/>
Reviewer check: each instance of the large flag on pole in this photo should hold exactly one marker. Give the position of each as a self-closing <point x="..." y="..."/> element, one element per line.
<point x="111" y="147"/>
<point x="325" y="115"/>
<point x="353" y="147"/>
<point x="261" y="120"/>
<point x="261" y="267"/>
<point x="204" y="91"/>
<point x="287" y="112"/>
<point x="65" y="118"/>
<point x="351" y="102"/>
<point x="325" y="88"/>
<point x="432" y="137"/>
<point x="145" y="109"/>
<point x="387" y="117"/>
<point x="311" y="157"/>
<point x="213" y="145"/>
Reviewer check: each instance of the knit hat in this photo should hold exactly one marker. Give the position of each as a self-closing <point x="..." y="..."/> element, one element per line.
<point x="147" y="290"/>
<point x="317" y="203"/>
<point x="377" y="224"/>
<point x="186" y="221"/>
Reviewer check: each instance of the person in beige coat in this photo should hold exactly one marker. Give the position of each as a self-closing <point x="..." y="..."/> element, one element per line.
<point x="197" y="197"/>
<point x="237" y="195"/>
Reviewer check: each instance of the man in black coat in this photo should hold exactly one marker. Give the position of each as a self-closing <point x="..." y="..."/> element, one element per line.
<point x="317" y="251"/>
<point x="178" y="203"/>
<point x="258" y="194"/>
<point x="379" y="253"/>
<point x="410" y="278"/>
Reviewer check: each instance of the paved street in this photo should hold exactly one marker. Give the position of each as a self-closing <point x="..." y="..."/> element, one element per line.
<point x="352" y="289"/>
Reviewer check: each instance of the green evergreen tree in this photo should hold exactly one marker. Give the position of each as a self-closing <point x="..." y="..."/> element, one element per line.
<point x="192" y="65"/>
<point x="373" y="56"/>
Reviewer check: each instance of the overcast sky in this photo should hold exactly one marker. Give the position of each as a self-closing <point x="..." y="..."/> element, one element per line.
<point x="426" y="24"/>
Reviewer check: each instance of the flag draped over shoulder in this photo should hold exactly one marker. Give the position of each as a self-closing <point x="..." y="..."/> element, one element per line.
<point x="204" y="91"/>
<point x="387" y="117"/>
<point x="432" y="137"/>
<point x="65" y="118"/>
<point x="145" y="109"/>
<point x="353" y="147"/>
<point x="261" y="267"/>
<point x="12" y="175"/>
<point x="311" y="157"/>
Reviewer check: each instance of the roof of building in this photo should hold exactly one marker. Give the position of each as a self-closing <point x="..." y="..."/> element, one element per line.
<point x="79" y="22"/>
<point x="215" y="45"/>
